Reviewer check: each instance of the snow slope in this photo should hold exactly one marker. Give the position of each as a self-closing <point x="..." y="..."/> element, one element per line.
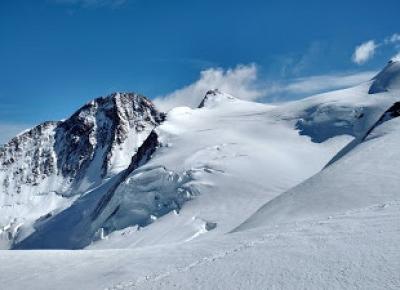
<point x="362" y="174"/>
<point x="365" y="176"/>
<point x="354" y="250"/>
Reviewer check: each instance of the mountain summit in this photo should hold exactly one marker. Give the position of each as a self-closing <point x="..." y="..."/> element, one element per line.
<point x="215" y="97"/>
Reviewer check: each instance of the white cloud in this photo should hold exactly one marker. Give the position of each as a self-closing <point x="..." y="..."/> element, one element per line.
<point x="364" y="52"/>
<point x="241" y="81"/>
<point x="9" y="130"/>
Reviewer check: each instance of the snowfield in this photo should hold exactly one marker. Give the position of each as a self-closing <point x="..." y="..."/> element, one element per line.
<point x="236" y="195"/>
<point x="356" y="249"/>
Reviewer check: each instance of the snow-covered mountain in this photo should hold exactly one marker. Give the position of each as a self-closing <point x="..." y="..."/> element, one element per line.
<point x="45" y="168"/>
<point x="273" y="193"/>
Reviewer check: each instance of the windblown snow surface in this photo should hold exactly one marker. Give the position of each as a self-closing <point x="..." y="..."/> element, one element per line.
<point x="240" y="195"/>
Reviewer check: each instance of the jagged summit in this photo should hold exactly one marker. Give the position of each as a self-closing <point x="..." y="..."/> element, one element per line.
<point x="388" y="78"/>
<point x="120" y="100"/>
<point x="215" y="97"/>
<point x="96" y="138"/>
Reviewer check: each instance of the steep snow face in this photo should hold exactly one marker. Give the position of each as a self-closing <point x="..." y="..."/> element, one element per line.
<point x="42" y="169"/>
<point x="367" y="175"/>
<point x="387" y="79"/>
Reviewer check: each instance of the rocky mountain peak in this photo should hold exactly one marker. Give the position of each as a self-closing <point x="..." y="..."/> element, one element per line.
<point x="215" y="97"/>
<point x="68" y="157"/>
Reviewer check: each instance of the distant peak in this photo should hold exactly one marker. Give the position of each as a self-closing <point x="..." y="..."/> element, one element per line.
<point x="388" y="78"/>
<point x="215" y="97"/>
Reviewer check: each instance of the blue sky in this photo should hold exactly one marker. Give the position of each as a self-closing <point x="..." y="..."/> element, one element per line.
<point x="55" y="55"/>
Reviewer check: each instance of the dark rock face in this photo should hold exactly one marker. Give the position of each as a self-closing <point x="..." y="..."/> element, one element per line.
<point x="87" y="143"/>
<point x="99" y="128"/>
<point x="26" y="159"/>
<point x="208" y="95"/>
<point x="392" y="112"/>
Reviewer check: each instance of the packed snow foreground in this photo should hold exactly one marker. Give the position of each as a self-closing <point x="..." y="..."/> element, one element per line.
<point x="229" y="195"/>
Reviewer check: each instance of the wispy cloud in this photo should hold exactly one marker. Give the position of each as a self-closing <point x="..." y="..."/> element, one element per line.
<point x="91" y="3"/>
<point x="244" y="82"/>
<point x="9" y="130"/>
<point x="364" y="52"/>
<point x="394" y="38"/>
<point x="307" y="86"/>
